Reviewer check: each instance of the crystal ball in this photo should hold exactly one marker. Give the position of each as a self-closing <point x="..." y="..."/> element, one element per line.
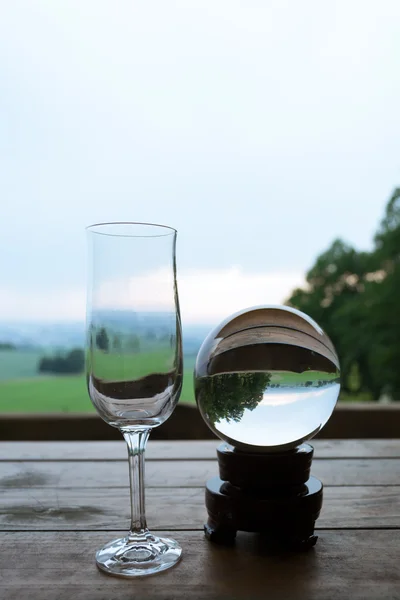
<point x="267" y="379"/>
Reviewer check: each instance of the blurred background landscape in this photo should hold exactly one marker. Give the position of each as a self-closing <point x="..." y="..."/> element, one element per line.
<point x="268" y="134"/>
<point x="353" y="295"/>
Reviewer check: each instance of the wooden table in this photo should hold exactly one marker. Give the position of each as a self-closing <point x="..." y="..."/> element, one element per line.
<point x="62" y="501"/>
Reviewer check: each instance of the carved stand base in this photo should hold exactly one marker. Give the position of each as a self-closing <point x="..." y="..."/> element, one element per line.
<point x="271" y="494"/>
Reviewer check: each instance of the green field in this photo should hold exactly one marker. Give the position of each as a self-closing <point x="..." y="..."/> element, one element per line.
<point x="59" y="394"/>
<point x="68" y="394"/>
<point x="119" y="367"/>
<point x="47" y="394"/>
<point x="22" y="389"/>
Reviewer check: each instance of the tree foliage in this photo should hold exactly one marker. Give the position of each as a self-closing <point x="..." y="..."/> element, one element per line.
<point x="71" y="363"/>
<point x="355" y="297"/>
<point x="228" y="395"/>
<point x="102" y="340"/>
<point x="7" y="346"/>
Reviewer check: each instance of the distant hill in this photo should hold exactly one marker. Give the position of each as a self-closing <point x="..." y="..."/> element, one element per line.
<point x="68" y="335"/>
<point x="42" y="335"/>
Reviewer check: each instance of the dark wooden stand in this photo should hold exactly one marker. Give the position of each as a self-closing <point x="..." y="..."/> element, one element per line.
<point x="272" y="494"/>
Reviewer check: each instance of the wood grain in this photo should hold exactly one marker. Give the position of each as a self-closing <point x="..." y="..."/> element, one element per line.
<point x="180" y="473"/>
<point x="104" y="451"/>
<point x="176" y="508"/>
<point x="55" y="499"/>
<point x="344" y="564"/>
<point x="181" y="450"/>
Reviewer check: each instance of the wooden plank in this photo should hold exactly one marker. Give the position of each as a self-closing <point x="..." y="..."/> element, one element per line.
<point x="47" y="508"/>
<point x="357" y="564"/>
<point x="183" y="473"/>
<point x="176" y="508"/>
<point x="367" y="420"/>
<point x="356" y="448"/>
<point x="181" y="450"/>
<point x="103" y="451"/>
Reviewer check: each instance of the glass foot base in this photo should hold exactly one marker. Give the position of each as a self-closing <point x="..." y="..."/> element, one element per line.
<point x="133" y="557"/>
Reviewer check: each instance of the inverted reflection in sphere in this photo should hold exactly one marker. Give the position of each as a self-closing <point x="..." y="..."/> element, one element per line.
<point x="267" y="378"/>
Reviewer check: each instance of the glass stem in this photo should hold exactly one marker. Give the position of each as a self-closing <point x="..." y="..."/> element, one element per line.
<point x="136" y="440"/>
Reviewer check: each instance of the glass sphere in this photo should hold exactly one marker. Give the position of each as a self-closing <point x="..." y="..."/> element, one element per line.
<point x="267" y="379"/>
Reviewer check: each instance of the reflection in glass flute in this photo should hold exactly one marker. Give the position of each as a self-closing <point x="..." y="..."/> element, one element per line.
<point x="134" y="364"/>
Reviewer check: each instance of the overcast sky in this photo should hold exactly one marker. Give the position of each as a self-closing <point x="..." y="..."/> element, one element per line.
<point x="261" y="130"/>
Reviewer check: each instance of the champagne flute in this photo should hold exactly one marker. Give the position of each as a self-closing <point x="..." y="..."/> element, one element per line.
<point x="134" y="365"/>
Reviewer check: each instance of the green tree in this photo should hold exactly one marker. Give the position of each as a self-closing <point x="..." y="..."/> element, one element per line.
<point x="7" y="346"/>
<point x="354" y="297"/>
<point x="102" y="340"/>
<point x="383" y="299"/>
<point x="71" y="363"/>
<point x="228" y="395"/>
<point x="75" y="361"/>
